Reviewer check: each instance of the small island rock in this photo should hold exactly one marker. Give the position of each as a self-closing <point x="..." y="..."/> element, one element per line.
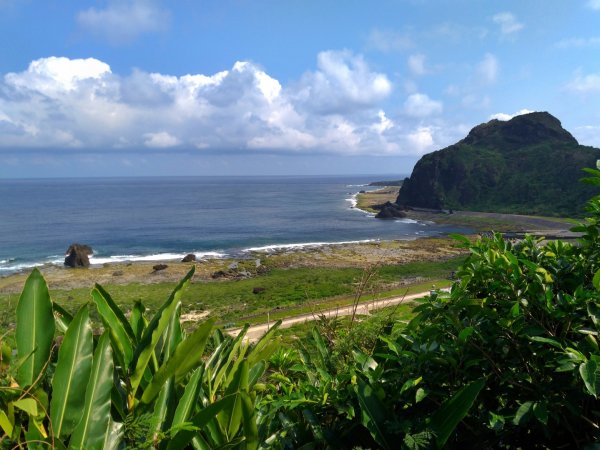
<point x="77" y="255"/>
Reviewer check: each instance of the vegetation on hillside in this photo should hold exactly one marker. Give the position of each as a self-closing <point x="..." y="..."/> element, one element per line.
<point x="508" y="359"/>
<point x="528" y="165"/>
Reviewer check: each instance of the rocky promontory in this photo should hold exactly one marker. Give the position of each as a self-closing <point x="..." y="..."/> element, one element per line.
<point x="527" y="165"/>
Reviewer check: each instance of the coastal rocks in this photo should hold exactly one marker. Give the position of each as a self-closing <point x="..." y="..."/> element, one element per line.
<point x="220" y="274"/>
<point x="159" y="267"/>
<point x="78" y="255"/>
<point x="190" y="257"/>
<point x="235" y="272"/>
<point x="389" y="210"/>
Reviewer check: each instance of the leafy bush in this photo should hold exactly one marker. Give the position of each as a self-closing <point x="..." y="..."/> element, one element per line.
<point x="508" y="359"/>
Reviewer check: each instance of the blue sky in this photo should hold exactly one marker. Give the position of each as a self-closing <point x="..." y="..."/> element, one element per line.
<point x="236" y="87"/>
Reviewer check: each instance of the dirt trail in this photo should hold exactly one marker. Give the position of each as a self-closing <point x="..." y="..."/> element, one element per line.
<point x="257" y="331"/>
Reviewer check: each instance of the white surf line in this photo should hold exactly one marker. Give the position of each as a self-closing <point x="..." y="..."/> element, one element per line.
<point x="255" y="332"/>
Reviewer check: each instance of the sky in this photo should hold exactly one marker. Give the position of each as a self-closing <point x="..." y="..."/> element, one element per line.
<point x="271" y="87"/>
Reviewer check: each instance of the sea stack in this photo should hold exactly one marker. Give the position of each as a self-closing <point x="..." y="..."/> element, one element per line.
<point x="77" y="255"/>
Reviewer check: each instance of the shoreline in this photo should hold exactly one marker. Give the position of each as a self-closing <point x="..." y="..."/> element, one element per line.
<point x="359" y="254"/>
<point x="517" y="224"/>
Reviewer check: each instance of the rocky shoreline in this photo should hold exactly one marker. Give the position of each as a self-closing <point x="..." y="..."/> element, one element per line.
<point x="361" y="255"/>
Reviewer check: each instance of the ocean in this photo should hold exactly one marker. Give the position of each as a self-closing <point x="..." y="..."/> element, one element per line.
<point x="165" y="218"/>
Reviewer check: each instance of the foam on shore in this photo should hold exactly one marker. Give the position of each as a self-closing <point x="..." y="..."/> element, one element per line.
<point x="277" y="247"/>
<point x="152" y="257"/>
<point x="12" y="265"/>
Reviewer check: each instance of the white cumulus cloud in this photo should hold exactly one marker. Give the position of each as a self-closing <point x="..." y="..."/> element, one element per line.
<point x="420" y="105"/>
<point x="342" y="82"/>
<point x="505" y="117"/>
<point x="421" y="140"/>
<point x="124" y="20"/>
<point x="508" y="23"/>
<point x="58" y="103"/>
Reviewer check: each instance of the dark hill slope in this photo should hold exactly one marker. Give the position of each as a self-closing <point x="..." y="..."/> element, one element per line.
<point x="528" y="165"/>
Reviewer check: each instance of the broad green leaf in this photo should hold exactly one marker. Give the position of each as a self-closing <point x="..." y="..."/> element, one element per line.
<point x="121" y="334"/>
<point x="62" y="317"/>
<point x="249" y="420"/>
<point x="35" y="328"/>
<point x="36" y="436"/>
<point x="373" y="416"/>
<point x="187" y="402"/>
<point x="6" y="424"/>
<point x="186" y="357"/>
<point x="540" y="412"/>
<point x="546" y="340"/>
<point x="235" y="353"/>
<point x="231" y="418"/>
<point x="323" y="351"/>
<point x="137" y="320"/>
<point x="453" y="410"/>
<point x="596" y="280"/>
<point x="163" y="406"/>
<point x="174" y="334"/>
<point x="153" y="332"/>
<point x="594" y="313"/>
<point x="28" y="405"/>
<point x="265" y="347"/>
<point x="465" y="333"/>
<point x="410" y="384"/>
<point x="91" y="430"/>
<point x="420" y="395"/>
<point x="200" y="420"/>
<point x="523" y="413"/>
<point x="496" y="421"/>
<point x="113" y="436"/>
<point x="72" y="374"/>
<point x="255" y="372"/>
<point x="515" y="311"/>
<point x="591" y="377"/>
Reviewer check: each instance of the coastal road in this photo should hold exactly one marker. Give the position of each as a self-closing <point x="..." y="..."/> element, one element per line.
<point x="255" y="332"/>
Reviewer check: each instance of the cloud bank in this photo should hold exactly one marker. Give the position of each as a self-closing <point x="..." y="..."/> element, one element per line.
<point x="61" y="103"/>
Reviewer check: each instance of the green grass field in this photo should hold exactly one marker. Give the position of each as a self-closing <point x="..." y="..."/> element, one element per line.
<point x="286" y="291"/>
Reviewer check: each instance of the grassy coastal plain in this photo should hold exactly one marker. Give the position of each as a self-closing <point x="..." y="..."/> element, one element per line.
<point x="285" y="282"/>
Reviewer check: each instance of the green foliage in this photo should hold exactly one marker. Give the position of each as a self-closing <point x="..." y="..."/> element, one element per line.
<point x="508" y="359"/>
<point x="142" y="384"/>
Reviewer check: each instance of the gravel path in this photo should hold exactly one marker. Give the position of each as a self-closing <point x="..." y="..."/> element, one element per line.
<point x="257" y="331"/>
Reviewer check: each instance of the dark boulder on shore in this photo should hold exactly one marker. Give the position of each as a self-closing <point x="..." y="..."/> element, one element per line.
<point x="390" y="210"/>
<point x="159" y="267"/>
<point x="77" y="255"/>
<point x="190" y="257"/>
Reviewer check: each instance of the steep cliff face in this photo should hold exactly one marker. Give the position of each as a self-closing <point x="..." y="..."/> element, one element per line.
<point x="528" y="165"/>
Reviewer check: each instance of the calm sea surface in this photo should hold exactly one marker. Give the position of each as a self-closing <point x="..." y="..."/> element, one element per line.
<point x="165" y="218"/>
